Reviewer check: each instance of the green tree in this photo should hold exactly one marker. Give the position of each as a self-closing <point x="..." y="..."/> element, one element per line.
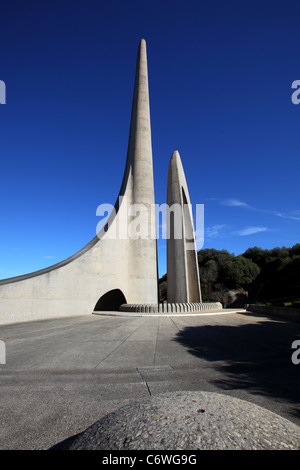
<point x="208" y="275"/>
<point x="240" y="272"/>
<point x="266" y="275"/>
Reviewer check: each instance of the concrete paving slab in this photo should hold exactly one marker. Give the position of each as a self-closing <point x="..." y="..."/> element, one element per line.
<point x="137" y="353"/>
<point x="62" y="375"/>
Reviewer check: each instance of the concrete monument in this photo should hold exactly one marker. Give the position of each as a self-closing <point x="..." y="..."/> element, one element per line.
<point x="109" y="271"/>
<point x="183" y="279"/>
<point x="118" y="271"/>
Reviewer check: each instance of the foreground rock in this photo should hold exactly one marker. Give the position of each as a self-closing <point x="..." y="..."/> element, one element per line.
<point x="188" y="421"/>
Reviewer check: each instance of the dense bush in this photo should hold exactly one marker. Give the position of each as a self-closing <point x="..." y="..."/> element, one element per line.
<point x="258" y="275"/>
<point x="224" y="276"/>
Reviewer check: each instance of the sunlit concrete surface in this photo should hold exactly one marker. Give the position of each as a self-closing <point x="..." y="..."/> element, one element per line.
<point x="62" y="375"/>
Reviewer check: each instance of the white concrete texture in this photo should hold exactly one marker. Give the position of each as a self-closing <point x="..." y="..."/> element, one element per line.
<point x="73" y="286"/>
<point x="183" y="280"/>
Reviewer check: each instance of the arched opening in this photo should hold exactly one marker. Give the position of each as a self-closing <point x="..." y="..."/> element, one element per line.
<point x="110" y="301"/>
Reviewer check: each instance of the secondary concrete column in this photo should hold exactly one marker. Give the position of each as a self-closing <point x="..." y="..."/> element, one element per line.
<point x="183" y="278"/>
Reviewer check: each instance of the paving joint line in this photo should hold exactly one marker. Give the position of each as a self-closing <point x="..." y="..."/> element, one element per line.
<point x="143" y="381"/>
<point x="122" y="342"/>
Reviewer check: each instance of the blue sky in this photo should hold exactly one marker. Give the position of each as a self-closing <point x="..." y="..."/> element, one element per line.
<point x="220" y="76"/>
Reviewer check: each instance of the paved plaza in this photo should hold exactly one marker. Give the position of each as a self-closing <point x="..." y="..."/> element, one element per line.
<point x="63" y="375"/>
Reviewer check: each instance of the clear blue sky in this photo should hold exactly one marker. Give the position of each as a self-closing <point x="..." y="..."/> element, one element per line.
<point x="220" y="76"/>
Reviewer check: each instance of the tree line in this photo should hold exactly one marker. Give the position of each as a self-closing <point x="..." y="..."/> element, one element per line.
<point x="256" y="276"/>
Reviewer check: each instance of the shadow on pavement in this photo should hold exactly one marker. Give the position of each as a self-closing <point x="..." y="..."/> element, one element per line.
<point x="256" y="356"/>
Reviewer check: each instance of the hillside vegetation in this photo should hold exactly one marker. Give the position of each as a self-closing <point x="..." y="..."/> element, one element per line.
<point x="256" y="276"/>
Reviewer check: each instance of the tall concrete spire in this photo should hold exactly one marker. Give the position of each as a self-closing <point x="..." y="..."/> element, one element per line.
<point x="182" y="265"/>
<point x="140" y="184"/>
<point x="139" y="155"/>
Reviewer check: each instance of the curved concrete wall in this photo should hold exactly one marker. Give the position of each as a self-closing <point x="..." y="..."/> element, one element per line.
<point x="74" y="286"/>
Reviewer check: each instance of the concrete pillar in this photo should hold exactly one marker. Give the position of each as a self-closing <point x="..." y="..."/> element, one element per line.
<point x="182" y="265"/>
<point x="140" y="186"/>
